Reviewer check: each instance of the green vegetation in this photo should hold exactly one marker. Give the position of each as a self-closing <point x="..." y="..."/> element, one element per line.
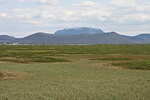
<point x="33" y="60"/>
<point x="113" y="58"/>
<point x="143" y="65"/>
<point x="34" y="53"/>
<point x="75" y="72"/>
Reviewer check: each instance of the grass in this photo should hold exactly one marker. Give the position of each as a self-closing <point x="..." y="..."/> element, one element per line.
<point x="84" y="80"/>
<point x="141" y="65"/>
<point x="75" y="72"/>
<point x="113" y="59"/>
<point x="33" y="60"/>
<point x="5" y="75"/>
<point x="29" y="54"/>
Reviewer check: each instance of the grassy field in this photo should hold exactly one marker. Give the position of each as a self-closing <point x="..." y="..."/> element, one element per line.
<point x="98" y="72"/>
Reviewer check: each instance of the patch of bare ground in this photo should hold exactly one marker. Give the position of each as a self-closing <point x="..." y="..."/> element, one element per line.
<point x="6" y="75"/>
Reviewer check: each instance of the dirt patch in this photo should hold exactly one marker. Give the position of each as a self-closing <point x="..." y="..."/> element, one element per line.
<point x="6" y="75"/>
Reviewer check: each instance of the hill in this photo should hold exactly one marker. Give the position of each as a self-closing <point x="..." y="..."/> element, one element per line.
<point x="107" y="38"/>
<point x="80" y="30"/>
<point x="6" y="38"/>
<point x="143" y="38"/>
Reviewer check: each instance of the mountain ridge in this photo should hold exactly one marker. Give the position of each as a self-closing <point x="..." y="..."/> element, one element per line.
<point x="91" y="39"/>
<point x="79" y="30"/>
<point x="143" y="38"/>
<point x="82" y="38"/>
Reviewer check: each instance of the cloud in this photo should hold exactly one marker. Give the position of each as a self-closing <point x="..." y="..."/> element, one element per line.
<point x="4" y="15"/>
<point x="22" y="13"/>
<point x="90" y="10"/>
<point x="69" y="19"/>
<point x="33" y="22"/>
<point x="143" y="8"/>
<point x="95" y="12"/>
<point x="124" y="3"/>
<point x="27" y="16"/>
<point x="87" y="4"/>
<point x="21" y="1"/>
<point x="69" y="13"/>
<point x="46" y="14"/>
<point x="48" y="2"/>
<point x="140" y="17"/>
<point x="86" y="11"/>
<point x="44" y="2"/>
<point x="53" y="13"/>
<point x="1" y="0"/>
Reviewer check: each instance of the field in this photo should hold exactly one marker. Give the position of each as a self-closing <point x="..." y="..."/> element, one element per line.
<point x="63" y="72"/>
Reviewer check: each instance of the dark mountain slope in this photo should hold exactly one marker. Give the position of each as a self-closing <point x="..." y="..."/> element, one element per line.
<point x="6" y="38"/>
<point x="143" y="38"/>
<point x="40" y="37"/>
<point x="107" y="38"/>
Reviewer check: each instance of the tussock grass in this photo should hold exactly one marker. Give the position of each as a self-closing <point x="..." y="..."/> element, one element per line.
<point x="42" y="53"/>
<point x="113" y="58"/>
<point x="5" y="75"/>
<point x="74" y="81"/>
<point x="33" y="60"/>
<point x="79" y="79"/>
<point x="141" y="65"/>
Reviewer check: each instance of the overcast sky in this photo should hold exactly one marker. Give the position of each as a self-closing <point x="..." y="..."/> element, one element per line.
<point x="23" y="17"/>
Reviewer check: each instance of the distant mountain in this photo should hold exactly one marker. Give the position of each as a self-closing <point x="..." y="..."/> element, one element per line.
<point x="39" y="37"/>
<point x="5" y="38"/>
<point x="143" y="38"/>
<point x="80" y="30"/>
<point x="91" y="39"/>
<point x="83" y="35"/>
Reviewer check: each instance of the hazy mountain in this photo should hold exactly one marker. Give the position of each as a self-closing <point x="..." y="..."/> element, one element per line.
<point x="81" y="35"/>
<point x="107" y="38"/>
<point x="40" y="37"/>
<point x="5" y="38"/>
<point x="143" y="38"/>
<point x="80" y="30"/>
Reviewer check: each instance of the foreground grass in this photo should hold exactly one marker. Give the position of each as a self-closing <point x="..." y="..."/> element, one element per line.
<point x="84" y="80"/>
<point x="75" y="72"/>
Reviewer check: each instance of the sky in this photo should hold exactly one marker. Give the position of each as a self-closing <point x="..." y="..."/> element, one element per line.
<point x="20" y="18"/>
